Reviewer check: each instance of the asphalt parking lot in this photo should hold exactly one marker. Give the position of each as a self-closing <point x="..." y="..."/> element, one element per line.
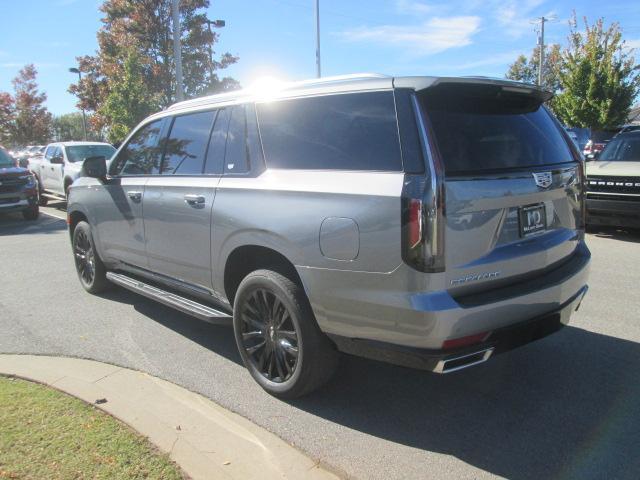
<point x="565" y="407"/>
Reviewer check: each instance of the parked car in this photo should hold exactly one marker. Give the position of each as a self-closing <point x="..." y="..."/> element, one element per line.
<point x="18" y="192"/>
<point x="633" y="127"/>
<point x="61" y="164"/>
<point x="313" y="219"/>
<point x="613" y="183"/>
<point x="581" y="136"/>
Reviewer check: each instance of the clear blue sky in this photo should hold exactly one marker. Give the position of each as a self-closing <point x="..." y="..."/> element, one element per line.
<point x="277" y="37"/>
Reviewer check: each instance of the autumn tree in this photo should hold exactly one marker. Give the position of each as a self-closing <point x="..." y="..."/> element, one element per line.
<point x="526" y="69"/>
<point x="144" y="28"/>
<point x="32" y="121"/>
<point x="7" y="116"/>
<point x="600" y="78"/>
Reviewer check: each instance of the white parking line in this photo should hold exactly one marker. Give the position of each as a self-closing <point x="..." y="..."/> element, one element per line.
<point x="54" y="216"/>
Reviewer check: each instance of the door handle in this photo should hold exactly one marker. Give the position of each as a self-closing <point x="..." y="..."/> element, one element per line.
<point x="194" y="200"/>
<point x="135" y="196"/>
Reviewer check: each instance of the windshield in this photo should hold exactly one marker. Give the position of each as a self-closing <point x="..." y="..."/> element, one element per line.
<point x="622" y="149"/>
<point x="79" y="153"/>
<point x="5" y="160"/>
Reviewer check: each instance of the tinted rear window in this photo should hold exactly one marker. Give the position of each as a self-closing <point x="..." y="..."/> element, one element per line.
<point x="78" y="153"/>
<point x="337" y="132"/>
<point x="478" y="131"/>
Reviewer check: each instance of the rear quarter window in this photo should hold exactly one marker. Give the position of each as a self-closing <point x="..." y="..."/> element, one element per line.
<point x="334" y="132"/>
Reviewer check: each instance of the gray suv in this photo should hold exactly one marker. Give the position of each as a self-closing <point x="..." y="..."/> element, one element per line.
<point x="428" y="222"/>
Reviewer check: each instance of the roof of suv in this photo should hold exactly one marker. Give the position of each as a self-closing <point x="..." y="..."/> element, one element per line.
<point x="350" y="83"/>
<point x="71" y="144"/>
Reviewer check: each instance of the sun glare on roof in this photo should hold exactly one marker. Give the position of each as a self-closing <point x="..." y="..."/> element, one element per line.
<point x="266" y="88"/>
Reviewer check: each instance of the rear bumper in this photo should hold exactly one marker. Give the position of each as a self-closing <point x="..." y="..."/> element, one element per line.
<point x="407" y="309"/>
<point x="446" y="361"/>
<point x="614" y="212"/>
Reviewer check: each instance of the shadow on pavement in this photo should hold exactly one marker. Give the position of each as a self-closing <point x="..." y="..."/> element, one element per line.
<point x="14" y="224"/>
<point x="616" y="233"/>
<point x="567" y="406"/>
<point x="217" y="338"/>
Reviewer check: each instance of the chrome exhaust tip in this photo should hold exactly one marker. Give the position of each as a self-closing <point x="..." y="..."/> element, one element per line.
<point x="458" y="362"/>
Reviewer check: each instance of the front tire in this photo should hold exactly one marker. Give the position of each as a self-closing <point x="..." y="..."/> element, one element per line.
<point x="91" y="271"/>
<point x="32" y="213"/>
<point x="278" y="337"/>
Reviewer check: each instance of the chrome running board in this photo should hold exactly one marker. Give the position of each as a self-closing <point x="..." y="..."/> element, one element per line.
<point x="458" y="362"/>
<point x="185" y="305"/>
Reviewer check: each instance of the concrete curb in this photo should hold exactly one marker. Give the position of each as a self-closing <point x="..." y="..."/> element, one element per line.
<point x="206" y="440"/>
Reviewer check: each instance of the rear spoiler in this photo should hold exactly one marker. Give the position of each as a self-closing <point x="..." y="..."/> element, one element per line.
<point x="420" y="84"/>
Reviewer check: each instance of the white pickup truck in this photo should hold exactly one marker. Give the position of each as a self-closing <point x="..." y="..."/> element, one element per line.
<point x="61" y="164"/>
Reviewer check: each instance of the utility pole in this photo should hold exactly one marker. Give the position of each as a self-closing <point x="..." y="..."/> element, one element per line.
<point x="177" y="54"/>
<point x="541" y="20"/>
<point x="318" y="70"/>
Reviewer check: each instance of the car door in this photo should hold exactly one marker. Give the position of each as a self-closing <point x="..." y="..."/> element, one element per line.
<point x="178" y="201"/>
<point x="57" y="171"/>
<point x="50" y="167"/>
<point x="43" y="166"/>
<point x="118" y="206"/>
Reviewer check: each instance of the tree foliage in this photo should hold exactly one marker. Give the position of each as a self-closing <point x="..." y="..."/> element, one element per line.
<point x="7" y="115"/>
<point x="32" y="120"/>
<point x="129" y="100"/>
<point x="526" y="69"/>
<point x="599" y="77"/>
<point x="143" y="30"/>
<point x="68" y="127"/>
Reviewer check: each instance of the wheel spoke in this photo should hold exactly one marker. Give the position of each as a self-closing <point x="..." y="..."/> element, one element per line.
<point x="290" y="349"/>
<point x="251" y="335"/>
<point x="289" y="334"/>
<point x="279" y="358"/>
<point x="256" y="347"/>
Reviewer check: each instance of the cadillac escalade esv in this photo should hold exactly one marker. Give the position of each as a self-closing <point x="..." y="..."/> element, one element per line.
<point x="429" y="222"/>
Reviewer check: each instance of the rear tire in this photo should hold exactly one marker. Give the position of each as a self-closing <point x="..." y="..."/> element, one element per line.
<point x="91" y="271"/>
<point x="32" y="213"/>
<point x="278" y="338"/>
<point x="42" y="200"/>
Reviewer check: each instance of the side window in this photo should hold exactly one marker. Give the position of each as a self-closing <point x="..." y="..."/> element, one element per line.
<point x="356" y="131"/>
<point x="185" y="147"/>
<point x="217" y="143"/>
<point x="236" y="156"/>
<point x="49" y="153"/>
<point x="141" y="155"/>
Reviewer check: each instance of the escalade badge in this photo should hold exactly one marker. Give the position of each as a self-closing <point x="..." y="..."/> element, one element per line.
<point x="543" y="179"/>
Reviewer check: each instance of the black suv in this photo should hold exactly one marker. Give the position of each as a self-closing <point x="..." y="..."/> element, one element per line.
<point x="18" y="190"/>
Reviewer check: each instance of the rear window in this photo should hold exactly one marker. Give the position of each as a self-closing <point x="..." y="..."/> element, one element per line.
<point x="334" y="132"/>
<point x="489" y="130"/>
<point x="79" y="153"/>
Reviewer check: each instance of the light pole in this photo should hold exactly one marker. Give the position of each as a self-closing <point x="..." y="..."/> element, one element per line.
<point x="542" y="20"/>
<point x="177" y="54"/>
<point x="84" y="118"/>
<point x="216" y="24"/>
<point x="318" y="70"/>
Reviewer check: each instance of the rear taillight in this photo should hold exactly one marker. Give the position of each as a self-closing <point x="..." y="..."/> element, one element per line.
<point x="423" y="206"/>
<point x="414" y="222"/>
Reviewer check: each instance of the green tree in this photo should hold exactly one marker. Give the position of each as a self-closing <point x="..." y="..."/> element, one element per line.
<point x="145" y="27"/>
<point x="32" y="122"/>
<point x="69" y="127"/>
<point x="600" y="78"/>
<point x="526" y="69"/>
<point x="7" y="117"/>
<point x="129" y="100"/>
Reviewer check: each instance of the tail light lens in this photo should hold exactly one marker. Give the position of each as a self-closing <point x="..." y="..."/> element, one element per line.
<point x="415" y="223"/>
<point x="465" y="341"/>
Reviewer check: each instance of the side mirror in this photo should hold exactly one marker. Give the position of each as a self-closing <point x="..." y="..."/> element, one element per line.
<point x="94" y="167"/>
<point x="56" y="160"/>
<point x="23" y="162"/>
<point x="592" y="156"/>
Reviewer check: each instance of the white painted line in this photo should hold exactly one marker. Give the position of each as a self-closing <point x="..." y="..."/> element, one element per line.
<point x="52" y="215"/>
